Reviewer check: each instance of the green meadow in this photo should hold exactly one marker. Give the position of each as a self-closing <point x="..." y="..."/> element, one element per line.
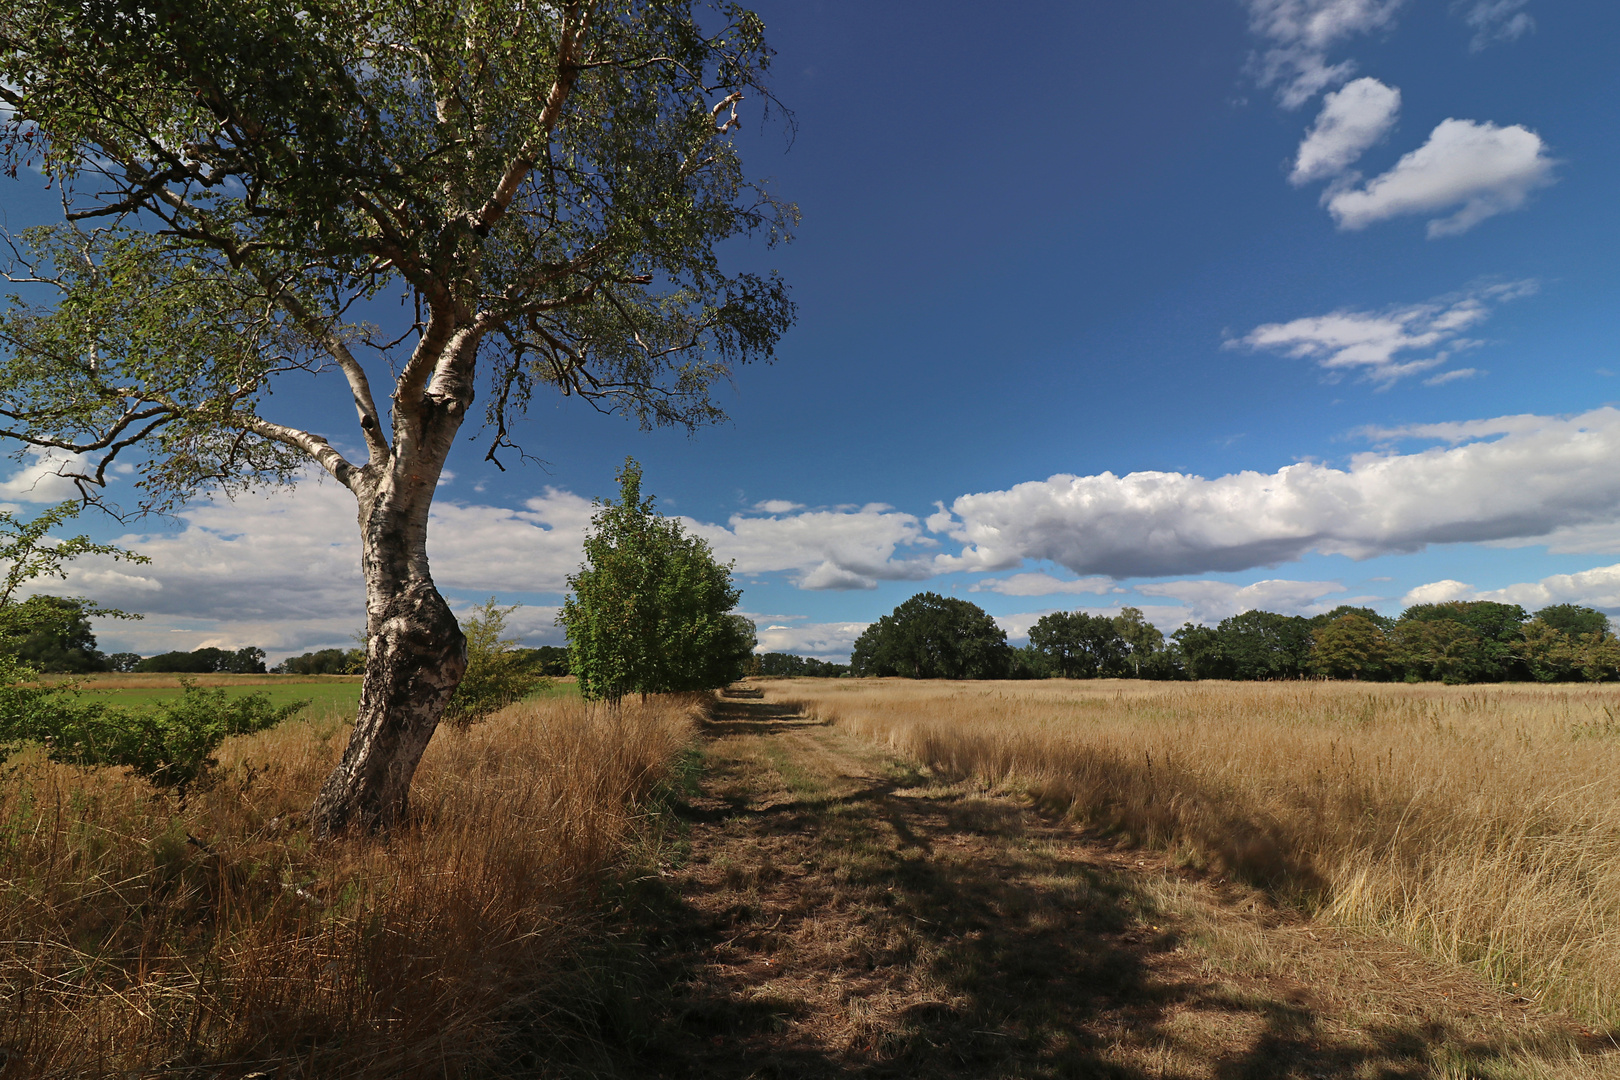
<point x="328" y="695"/>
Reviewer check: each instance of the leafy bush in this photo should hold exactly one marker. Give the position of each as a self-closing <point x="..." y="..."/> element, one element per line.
<point x="498" y="673"/>
<point x="170" y="744"/>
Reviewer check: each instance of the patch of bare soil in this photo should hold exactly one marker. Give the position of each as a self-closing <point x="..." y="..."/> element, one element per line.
<point x="840" y="913"/>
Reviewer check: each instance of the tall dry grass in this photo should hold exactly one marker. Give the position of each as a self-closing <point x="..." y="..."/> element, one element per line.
<point x="221" y="938"/>
<point x="1480" y="823"/>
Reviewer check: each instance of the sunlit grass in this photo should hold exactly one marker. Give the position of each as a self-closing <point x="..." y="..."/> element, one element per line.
<point x="137" y="933"/>
<point x="1480" y="823"/>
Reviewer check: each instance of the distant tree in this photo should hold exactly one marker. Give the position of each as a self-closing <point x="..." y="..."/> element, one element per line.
<point x="1350" y="647"/>
<point x="248" y="660"/>
<point x="123" y="661"/>
<point x="650" y="610"/>
<point x="549" y="660"/>
<point x="498" y="672"/>
<point x="204" y="661"/>
<point x="322" y="662"/>
<point x="60" y="641"/>
<point x="1551" y="654"/>
<point x="775" y="663"/>
<point x="1599" y="657"/>
<point x="1144" y="643"/>
<point x="1461" y="641"/>
<point x="1265" y="645"/>
<point x="1201" y="652"/>
<point x="1383" y="622"/>
<point x="1573" y="619"/>
<point x="1566" y="642"/>
<point x="933" y="637"/>
<point x="1028" y="662"/>
<point x="1079" y="646"/>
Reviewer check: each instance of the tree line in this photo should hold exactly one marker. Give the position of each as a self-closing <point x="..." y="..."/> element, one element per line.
<point x="933" y="636"/>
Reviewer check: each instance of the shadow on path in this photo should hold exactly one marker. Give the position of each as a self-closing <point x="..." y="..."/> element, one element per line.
<point x="842" y="915"/>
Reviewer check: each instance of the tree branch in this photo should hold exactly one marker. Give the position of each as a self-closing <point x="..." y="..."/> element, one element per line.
<point x="568" y="68"/>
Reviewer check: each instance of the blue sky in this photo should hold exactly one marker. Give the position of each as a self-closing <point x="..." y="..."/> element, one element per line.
<point x="1196" y="307"/>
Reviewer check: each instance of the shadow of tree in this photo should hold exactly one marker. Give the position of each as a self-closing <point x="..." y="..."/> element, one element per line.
<point x="929" y="932"/>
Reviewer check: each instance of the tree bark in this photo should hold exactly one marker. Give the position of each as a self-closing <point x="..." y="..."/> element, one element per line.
<point x="415" y="657"/>
<point x="416" y="653"/>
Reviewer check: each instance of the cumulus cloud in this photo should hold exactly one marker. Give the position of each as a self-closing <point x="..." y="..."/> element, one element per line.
<point x="1043" y="585"/>
<point x="42" y="478"/>
<point x="823" y="549"/>
<point x="1381" y="344"/>
<point x="1353" y="119"/>
<point x="1547" y="473"/>
<point x="825" y="641"/>
<point x="1212" y="601"/>
<point x="1299" y="34"/>
<point x="1598" y="588"/>
<point x="1479" y="168"/>
<point x="1495" y="20"/>
<point x="1438" y="592"/>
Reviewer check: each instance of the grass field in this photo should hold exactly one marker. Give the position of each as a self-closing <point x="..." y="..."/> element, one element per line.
<point x="1481" y="824"/>
<point x="216" y="939"/>
<point x="328" y="695"/>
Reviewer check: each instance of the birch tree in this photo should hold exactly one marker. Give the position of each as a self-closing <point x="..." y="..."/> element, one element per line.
<point x="544" y="185"/>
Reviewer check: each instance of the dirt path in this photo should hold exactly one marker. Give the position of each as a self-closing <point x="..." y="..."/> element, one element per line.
<point x="841" y="914"/>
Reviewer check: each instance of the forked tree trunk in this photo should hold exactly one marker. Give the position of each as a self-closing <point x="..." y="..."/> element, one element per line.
<point x="416" y="653"/>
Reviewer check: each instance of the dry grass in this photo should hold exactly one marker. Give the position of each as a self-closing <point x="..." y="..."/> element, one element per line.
<point x="1479" y="823"/>
<point x="219" y="940"/>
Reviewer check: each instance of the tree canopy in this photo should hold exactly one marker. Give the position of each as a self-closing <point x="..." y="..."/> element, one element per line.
<point x="933" y="637"/>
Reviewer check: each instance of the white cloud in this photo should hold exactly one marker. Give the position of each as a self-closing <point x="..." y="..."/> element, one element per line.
<point x="1300" y="33"/>
<point x="1043" y="585"/>
<point x="1495" y="20"/>
<point x="826" y="641"/>
<point x="1352" y="120"/>
<point x="1380" y="344"/>
<point x="499" y="549"/>
<point x="41" y="479"/>
<point x="777" y="506"/>
<point x="824" y="549"/>
<point x="1478" y="168"/>
<point x="1438" y="592"/>
<point x="1547" y="473"/>
<point x="1598" y="588"/>
<point x="1453" y="375"/>
<point x="1212" y="601"/>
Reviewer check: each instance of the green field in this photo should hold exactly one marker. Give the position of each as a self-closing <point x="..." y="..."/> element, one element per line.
<point x="328" y="695"/>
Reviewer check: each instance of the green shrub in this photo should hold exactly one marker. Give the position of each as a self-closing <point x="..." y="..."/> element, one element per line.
<point x="171" y="744"/>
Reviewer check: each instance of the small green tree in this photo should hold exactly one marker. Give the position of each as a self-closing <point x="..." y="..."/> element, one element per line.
<point x="498" y="672"/>
<point x="650" y="609"/>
